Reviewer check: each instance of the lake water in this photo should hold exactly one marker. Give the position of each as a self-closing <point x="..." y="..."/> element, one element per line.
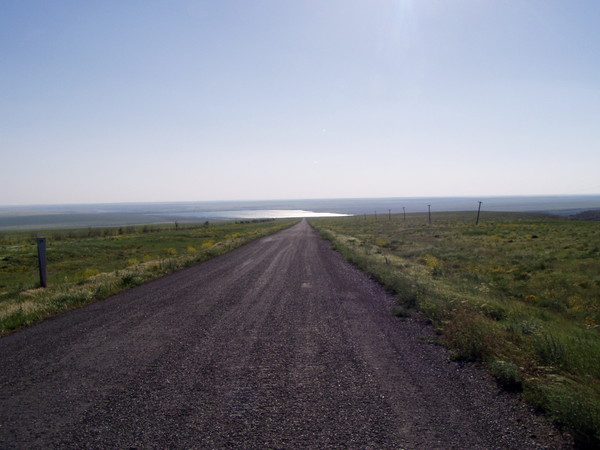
<point x="261" y="214"/>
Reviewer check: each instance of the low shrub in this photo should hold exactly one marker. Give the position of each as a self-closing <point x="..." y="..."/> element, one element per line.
<point x="400" y="312"/>
<point x="471" y="336"/>
<point x="571" y="403"/>
<point x="550" y="349"/>
<point x="507" y="374"/>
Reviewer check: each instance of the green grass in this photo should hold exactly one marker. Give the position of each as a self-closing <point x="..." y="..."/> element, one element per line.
<point x="90" y="264"/>
<point x="519" y="292"/>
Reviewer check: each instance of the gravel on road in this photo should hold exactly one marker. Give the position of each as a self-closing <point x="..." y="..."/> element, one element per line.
<point x="278" y="344"/>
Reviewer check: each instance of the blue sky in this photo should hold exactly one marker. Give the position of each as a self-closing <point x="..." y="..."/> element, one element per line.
<point x="123" y="101"/>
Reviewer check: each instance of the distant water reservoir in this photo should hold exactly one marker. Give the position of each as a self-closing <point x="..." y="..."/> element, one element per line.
<point x="262" y="214"/>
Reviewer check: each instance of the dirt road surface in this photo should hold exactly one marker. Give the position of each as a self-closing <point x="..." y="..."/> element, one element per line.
<point x="279" y="344"/>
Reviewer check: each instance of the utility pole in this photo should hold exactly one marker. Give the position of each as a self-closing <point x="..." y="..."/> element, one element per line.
<point x="478" y="211"/>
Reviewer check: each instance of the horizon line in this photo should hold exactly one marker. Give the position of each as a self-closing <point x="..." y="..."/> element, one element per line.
<point x="31" y="205"/>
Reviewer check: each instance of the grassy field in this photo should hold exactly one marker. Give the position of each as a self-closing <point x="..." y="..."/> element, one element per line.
<point x="518" y="292"/>
<point x="89" y="264"/>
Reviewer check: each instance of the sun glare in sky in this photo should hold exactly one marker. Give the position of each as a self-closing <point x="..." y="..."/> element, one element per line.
<point x="202" y="100"/>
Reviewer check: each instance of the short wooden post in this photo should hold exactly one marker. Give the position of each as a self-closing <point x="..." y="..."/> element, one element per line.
<point x="390" y="214"/>
<point x="404" y="212"/>
<point x="41" y="246"/>
<point x="429" y="208"/>
<point x="478" y="211"/>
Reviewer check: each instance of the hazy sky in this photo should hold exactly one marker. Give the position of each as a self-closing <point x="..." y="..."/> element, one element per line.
<point x="110" y="101"/>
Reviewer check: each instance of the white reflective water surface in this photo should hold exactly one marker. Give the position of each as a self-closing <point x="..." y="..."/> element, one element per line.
<point x="263" y="214"/>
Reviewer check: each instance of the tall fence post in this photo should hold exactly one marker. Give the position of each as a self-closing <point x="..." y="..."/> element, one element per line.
<point x="41" y="246"/>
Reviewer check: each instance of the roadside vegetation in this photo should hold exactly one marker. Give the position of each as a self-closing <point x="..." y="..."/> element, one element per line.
<point x="517" y="292"/>
<point x="90" y="264"/>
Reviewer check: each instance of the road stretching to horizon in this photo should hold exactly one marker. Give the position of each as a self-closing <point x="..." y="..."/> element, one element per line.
<point x="278" y="344"/>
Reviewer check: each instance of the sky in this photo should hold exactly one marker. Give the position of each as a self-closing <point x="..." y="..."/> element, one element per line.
<point x="194" y="100"/>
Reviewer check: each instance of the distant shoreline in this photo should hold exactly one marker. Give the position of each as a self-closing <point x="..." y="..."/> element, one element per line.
<point x="120" y="214"/>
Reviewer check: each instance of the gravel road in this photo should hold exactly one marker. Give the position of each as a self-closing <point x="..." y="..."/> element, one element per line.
<point x="278" y="344"/>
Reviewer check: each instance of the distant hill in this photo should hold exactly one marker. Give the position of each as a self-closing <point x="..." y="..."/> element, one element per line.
<point x="593" y="214"/>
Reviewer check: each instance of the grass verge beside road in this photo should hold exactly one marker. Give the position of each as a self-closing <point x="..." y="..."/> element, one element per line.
<point x="91" y="264"/>
<point x="518" y="292"/>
